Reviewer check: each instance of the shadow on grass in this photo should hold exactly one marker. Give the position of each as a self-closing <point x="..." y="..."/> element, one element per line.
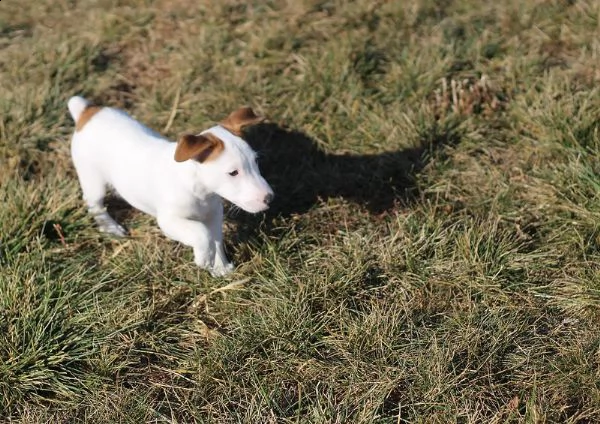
<point x="302" y="174"/>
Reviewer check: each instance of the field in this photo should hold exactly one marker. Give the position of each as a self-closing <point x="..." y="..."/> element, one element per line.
<point x="432" y="255"/>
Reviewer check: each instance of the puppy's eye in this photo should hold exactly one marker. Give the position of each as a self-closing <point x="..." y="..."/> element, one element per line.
<point x="234" y="173"/>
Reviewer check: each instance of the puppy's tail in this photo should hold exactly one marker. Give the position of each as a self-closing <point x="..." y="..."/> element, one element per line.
<point x="76" y="105"/>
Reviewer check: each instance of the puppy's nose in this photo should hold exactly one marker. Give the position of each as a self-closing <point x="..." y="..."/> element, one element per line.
<point x="268" y="198"/>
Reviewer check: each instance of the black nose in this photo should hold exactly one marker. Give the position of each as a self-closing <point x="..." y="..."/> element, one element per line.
<point x="268" y="198"/>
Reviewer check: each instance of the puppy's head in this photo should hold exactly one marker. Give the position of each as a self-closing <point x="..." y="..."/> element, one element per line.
<point x="225" y="164"/>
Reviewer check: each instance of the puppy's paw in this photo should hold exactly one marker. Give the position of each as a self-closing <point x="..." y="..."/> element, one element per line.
<point x="115" y="230"/>
<point x="221" y="271"/>
<point x="202" y="260"/>
<point x="109" y="226"/>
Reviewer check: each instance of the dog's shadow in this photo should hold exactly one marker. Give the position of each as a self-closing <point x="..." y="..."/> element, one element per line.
<point x="303" y="175"/>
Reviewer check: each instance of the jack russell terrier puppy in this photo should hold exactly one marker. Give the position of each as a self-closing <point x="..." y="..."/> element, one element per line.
<point x="181" y="184"/>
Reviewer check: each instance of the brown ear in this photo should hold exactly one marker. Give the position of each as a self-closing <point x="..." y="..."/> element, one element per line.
<point x="239" y="119"/>
<point x="201" y="147"/>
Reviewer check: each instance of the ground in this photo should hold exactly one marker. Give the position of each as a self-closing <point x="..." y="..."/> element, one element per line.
<point x="432" y="255"/>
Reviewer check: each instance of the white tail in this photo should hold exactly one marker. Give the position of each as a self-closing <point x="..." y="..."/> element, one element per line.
<point x="76" y="105"/>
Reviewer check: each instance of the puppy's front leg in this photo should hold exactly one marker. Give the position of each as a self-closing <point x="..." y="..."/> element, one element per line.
<point x="194" y="234"/>
<point x="221" y="266"/>
<point x="191" y="233"/>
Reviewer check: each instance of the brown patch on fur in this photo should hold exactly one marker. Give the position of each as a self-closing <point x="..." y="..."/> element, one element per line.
<point x="239" y="119"/>
<point x="87" y="114"/>
<point x="202" y="147"/>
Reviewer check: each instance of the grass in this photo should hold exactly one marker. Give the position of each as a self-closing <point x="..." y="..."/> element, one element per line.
<point x="433" y="254"/>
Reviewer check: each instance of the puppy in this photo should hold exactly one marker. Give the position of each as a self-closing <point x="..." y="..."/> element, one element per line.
<point x="181" y="184"/>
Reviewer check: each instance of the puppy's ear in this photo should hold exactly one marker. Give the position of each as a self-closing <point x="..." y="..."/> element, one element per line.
<point x="239" y="119"/>
<point x="201" y="147"/>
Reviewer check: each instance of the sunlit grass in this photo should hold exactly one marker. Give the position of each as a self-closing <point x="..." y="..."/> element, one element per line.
<point x="431" y="256"/>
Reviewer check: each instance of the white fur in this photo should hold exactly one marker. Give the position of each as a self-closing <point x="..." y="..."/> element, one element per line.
<point x="113" y="149"/>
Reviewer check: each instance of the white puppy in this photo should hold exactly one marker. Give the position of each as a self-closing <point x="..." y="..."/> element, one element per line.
<point x="178" y="183"/>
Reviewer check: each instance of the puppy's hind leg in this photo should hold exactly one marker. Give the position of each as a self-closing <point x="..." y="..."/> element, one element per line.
<point x="94" y="191"/>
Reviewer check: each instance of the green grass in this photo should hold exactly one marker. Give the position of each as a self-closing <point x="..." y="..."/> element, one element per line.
<point x="433" y="253"/>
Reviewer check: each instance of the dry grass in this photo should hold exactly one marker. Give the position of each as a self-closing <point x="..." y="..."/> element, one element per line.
<point x="432" y="256"/>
